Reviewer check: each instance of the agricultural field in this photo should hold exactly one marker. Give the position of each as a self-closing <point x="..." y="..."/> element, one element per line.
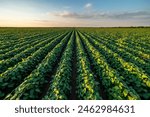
<point x="75" y="63"/>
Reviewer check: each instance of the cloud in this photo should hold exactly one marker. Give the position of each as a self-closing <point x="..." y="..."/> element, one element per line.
<point x="98" y="18"/>
<point x="105" y="15"/>
<point x="88" y="5"/>
<point x="68" y="14"/>
<point x="133" y="14"/>
<point x="41" y="20"/>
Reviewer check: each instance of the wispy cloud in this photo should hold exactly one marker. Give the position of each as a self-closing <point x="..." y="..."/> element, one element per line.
<point x="88" y="5"/>
<point x="67" y="14"/>
<point x="41" y="20"/>
<point x="74" y="13"/>
<point x="133" y="14"/>
<point x="103" y="15"/>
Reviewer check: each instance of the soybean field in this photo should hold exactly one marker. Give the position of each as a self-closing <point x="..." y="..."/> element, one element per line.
<point x="75" y="63"/>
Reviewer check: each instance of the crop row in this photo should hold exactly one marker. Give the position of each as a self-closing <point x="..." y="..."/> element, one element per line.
<point x="15" y="75"/>
<point x="81" y="63"/>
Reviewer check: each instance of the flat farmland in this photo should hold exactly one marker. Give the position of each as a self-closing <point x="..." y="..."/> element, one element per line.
<point x="75" y="63"/>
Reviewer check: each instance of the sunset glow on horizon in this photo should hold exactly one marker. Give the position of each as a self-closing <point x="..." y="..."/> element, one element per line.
<point x="79" y="13"/>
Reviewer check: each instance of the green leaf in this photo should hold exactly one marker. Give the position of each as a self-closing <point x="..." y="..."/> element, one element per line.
<point x="148" y="83"/>
<point x="125" y="92"/>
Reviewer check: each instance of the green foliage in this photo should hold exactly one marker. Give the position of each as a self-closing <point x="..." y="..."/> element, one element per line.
<point x="111" y="63"/>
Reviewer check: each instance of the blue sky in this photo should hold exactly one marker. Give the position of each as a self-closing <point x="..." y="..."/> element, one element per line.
<point x="47" y="13"/>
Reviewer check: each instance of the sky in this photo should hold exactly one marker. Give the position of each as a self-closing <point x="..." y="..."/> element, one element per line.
<point x="74" y="13"/>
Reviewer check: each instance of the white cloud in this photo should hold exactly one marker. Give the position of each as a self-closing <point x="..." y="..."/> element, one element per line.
<point x="88" y="5"/>
<point x="96" y="18"/>
<point x="65" y="14"/>
<point x="105" y="15"/>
